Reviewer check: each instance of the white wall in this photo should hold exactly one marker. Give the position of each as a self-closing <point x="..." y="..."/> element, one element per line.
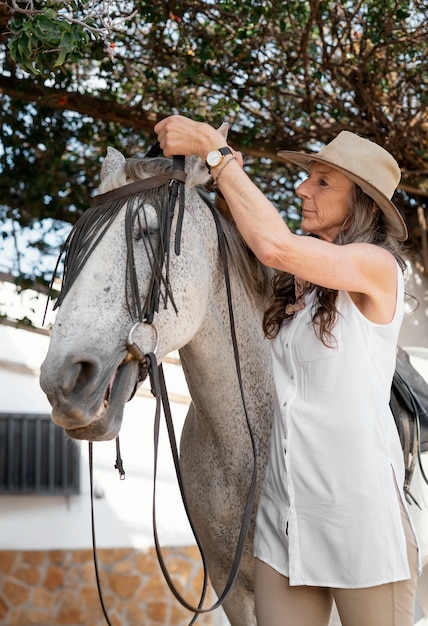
<point x="123" y="512"/>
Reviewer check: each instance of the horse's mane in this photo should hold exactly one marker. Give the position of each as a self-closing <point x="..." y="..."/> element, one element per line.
<point x="92" y="225"/>
<point x="254" y="275"/>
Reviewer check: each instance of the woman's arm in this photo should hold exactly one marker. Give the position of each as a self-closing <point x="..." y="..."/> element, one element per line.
<point x="358" y="268"/>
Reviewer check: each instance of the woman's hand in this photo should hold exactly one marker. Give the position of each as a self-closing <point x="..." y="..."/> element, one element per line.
<point x="181" y="135"/>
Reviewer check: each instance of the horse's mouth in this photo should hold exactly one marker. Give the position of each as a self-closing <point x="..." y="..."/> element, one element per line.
<point x="107" y="420"/>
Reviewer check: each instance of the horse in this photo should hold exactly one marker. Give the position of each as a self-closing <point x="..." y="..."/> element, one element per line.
<point x="88" y="376"/>
<point x="92" y="367"/>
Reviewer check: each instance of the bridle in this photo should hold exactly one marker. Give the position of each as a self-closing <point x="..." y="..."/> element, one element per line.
<point x="148" y="364"/>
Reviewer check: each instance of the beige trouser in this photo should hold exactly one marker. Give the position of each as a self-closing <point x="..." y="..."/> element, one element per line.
<point x="392" y="604"/>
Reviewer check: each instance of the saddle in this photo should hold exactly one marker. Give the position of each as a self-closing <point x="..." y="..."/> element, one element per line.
<point x="409" y="406"/>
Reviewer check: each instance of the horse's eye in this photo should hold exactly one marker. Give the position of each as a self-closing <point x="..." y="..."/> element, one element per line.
<point x="146" y="232"/>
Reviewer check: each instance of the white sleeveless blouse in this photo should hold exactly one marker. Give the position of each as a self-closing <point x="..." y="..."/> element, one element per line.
<point x="328" y="513"/>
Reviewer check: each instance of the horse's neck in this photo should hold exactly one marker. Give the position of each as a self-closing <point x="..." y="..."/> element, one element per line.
<point x="210" y="367"/>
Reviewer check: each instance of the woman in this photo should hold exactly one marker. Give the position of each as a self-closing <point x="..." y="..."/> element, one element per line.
<point x="332" y="522"/>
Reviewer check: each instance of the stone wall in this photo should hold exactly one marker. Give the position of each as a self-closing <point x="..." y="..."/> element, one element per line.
<point x="59" y="587"/>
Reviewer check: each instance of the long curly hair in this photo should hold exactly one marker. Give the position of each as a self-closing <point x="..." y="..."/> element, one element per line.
<point x="362" y="225"/>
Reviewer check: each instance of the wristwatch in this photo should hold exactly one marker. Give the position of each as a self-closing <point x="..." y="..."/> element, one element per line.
<point x="215" y="157"/>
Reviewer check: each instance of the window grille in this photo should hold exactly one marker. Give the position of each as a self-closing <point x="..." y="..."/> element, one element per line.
<point x="36" y="456"/>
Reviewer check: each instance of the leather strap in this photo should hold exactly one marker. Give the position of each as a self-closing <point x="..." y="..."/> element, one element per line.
<point x="138" y="186"/>
<point x="94" y="545"/>
<point x="160" y="392"/>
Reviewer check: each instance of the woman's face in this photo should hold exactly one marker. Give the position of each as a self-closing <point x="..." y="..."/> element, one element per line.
<point x="325" y="201"/>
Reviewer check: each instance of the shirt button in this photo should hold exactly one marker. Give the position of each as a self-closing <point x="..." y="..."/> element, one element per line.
<point x="286" y="345"/>
<point x="292" y="376"/>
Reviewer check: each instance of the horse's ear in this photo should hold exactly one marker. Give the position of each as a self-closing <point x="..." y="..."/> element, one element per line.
<point x="113" y="162"/>
<point x="224" y="129"/>
<point x="197" y="173"/>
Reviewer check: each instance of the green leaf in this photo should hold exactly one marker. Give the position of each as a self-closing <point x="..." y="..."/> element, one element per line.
<point x="61" y="57"/>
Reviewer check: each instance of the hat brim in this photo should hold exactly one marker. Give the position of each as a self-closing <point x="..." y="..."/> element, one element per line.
<point x="390" y="211"/>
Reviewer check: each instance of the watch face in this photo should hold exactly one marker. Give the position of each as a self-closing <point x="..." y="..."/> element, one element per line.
<point x="214" y="157"/>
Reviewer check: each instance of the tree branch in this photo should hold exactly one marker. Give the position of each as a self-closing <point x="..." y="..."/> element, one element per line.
<point x="107" y="111"/>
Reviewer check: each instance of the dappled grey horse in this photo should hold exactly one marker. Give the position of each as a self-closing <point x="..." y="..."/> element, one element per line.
<point x="88" y="375"/>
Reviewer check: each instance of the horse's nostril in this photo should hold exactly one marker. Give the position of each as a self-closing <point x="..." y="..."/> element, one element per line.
<point x="86" y="372"/>
<point x="78" y="374"/>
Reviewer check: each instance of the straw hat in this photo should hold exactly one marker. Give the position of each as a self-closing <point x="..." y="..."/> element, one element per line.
<point x="367" y="164"/>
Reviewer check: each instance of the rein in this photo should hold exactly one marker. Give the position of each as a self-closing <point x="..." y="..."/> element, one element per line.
<point x="176" y="177"/>
<point x="163" y="396"/>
